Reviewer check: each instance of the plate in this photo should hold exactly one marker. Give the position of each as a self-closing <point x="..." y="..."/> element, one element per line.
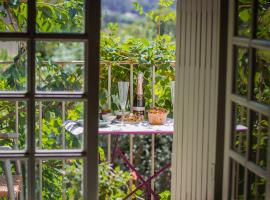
<point x="128" y="122"/>
<point x="103" y="123"/>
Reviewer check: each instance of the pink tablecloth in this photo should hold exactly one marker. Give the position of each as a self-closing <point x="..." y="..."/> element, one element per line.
<point x="140" y="128"/>
<point x="76" y="128"/>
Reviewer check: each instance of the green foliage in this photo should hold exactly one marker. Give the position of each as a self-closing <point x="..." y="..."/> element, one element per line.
<point x="159" y="16"/>
<point x="166" y="195"/>
<point x="158" y="52"/>
<point x="60" y="16"/>
<point x="113" y="182"/>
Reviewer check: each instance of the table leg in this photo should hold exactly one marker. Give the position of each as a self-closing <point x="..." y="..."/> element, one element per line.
<point x="114" y="148"/>
<point x="149" y="180"/>
<point x="120" y="153"/>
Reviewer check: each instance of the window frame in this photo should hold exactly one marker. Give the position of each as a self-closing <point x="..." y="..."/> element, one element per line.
<point x="252" y="44"/>
<point x="89" y="152"/>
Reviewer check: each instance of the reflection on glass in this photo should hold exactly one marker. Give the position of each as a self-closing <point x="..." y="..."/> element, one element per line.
<point x="13" y="125"/>
<point x="51" y="118"/>
<point x="59" y="66"/>
<point x="244" y="17"/>
<point x="241" y="71"/>
<point x="13" y="63"/>
<point x="263" y="20"/>
<point x="239" y="136"/>
<point x="261" y="88"/>
<point x="238" y="181"/>
<point x="256" y="187"/>
<point x="60" y="16"/>
<point x="259" y="139"/>
<point x="13" y="16"/>
<point x="59" y="179"/>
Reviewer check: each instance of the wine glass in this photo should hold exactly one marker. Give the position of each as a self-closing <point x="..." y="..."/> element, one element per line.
<point x="123" y="95"/>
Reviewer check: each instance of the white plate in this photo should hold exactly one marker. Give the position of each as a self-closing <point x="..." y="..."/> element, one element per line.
<point x="103" y="123"/>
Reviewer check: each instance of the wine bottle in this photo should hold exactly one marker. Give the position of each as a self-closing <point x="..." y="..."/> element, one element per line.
<point x="138" y="103"/>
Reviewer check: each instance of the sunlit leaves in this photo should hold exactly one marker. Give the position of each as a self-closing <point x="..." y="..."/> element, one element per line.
<point x="244" y="17"/>
<point x="60" y="16"/>
<point x="166" y="3"/>
<point x="138" y="7"/>
<point x="13" y="17"/>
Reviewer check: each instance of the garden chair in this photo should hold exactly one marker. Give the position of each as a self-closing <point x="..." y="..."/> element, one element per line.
<point x="11" y="185"/>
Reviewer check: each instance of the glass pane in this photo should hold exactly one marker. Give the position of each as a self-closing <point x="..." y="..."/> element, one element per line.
<point x="262" y="77"/>
<point x="256" y="187"/>
<point x="13" y="16"/>
<point x="12" y="125"/>
<point x="60" y="16"/>
<point x="13" y="63"/>
<point x="14" y="172"/>
<point x="243" y="20"/>
<point x="59" y="66"/>
<point x="59" y="124"/>
<point x="240" y="129"/>
<point x="259" y="139"/>
<point x="263" y="20"/>
<point x="238" y="181"/>
<point x="59" y="179"/>
<point x="241" y="71"/>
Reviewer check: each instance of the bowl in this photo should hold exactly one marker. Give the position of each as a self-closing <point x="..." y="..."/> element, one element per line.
<point x="157" y="116"/>
<point x="108" y="117"/>
<point x="119" y="113"/>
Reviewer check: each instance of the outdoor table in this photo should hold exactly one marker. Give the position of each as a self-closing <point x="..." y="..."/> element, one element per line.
<point x="142" y="128"/>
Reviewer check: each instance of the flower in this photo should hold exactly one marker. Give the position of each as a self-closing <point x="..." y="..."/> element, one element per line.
<point x="134" y="175"/>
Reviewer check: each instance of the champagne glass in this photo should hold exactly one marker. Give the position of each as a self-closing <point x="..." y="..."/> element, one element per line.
<point x="123" y="95"/>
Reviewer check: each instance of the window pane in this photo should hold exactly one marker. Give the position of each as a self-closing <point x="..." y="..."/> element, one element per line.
<point x="238" y="181"/>
<point x="259" y="139"/>
<point x="256" y="187"/>
<point x="60" y="16"/>
<point x="263" y="20"/>
<point x="59" y="66"/>
<point x="262" y="77"/>
<point x="13" y="63"/>
<point x="243" y="19"/>
<point x="13" y="16"/>
<point x="241" y="71"/>
<point x="16" y="173"/>
<point x="59" y="179"/>
<point x="239" y="136"/>
<point x="59" y="124"/>
<point x="12" y="125"/>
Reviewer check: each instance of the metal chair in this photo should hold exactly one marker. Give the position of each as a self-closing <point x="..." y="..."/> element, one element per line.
<point x="11" y="186"/>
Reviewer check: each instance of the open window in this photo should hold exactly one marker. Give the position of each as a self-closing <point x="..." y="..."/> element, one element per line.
<point x="39" y="41"/>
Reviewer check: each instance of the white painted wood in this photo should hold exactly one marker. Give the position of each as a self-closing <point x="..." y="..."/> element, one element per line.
<point x="193" y="165"/>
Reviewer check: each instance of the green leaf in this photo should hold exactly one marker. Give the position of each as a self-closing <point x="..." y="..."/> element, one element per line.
<point x="138" y="7"/>
<point x="166" y="3"/>
<point x="245" y="15"/>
